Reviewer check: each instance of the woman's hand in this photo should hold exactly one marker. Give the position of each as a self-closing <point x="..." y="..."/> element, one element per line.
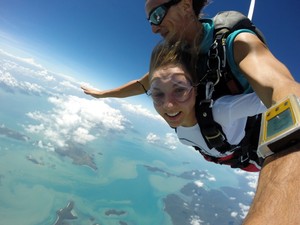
<point x="93" y="92"/>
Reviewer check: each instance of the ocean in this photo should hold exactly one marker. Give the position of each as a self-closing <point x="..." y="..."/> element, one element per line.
<point x="32" y="191"/>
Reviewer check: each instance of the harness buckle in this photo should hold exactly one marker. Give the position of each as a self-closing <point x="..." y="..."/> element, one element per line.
<point x="208" y="102"/>
<point x="244" y="158"/>
<point x="209" y="89"/>
<point x="216" y="139"/>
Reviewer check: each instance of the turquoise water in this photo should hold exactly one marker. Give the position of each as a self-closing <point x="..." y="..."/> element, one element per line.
<point x="121" y="183"/>
<point x="27" y="188"/>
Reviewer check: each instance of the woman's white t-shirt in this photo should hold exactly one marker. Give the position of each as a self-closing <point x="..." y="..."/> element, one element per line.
<point x="231" y="112"/>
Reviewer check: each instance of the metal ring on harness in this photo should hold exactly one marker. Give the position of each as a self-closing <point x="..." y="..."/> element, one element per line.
<point x="213" y="54"/>
<point x="209" y="89"/>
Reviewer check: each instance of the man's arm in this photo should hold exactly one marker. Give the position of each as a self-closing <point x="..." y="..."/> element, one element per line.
<point x="277" y="199"/>
<point x="270" y="79"/>
<point x="135" y="87"/>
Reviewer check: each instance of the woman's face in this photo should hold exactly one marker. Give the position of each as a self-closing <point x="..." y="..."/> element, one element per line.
<point x="173" y="95"/>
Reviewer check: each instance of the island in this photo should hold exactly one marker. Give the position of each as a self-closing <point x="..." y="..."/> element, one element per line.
<point x="113" y="212"/>
<point x="65" y="214"/>
<point x="9" y="133"/>
<point x="34" y="160"/>
<point x="78" y="155"/>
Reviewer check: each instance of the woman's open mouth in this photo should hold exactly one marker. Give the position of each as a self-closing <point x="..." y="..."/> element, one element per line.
<point x="172" y="114"/>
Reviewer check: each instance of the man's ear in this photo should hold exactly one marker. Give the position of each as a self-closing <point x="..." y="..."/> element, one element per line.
<point x="187" y="6"/>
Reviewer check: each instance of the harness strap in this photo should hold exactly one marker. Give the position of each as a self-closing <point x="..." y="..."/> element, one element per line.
<point x="217" y="72"/>
<point x="245" y="151"/>
<point x="231" y="82"/>
<point x="248" y="146"/>
<point x="211" y="131"/>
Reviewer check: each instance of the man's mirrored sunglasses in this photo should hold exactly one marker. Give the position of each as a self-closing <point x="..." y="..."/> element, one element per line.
<point x="157" y="15"/>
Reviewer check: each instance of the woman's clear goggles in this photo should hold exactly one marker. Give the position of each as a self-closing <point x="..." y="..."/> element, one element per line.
<point x="157" y="15"/>
<point x="179" y="94"/>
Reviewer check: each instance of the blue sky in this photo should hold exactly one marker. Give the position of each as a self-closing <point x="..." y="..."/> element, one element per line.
<point x="107" y="43"/>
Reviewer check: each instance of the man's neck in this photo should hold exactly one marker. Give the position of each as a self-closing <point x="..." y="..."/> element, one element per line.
<point x="194" y="33"/>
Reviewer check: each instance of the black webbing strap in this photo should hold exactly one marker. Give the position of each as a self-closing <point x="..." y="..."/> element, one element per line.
<point x="216" y="74"/>
<point x="248" y="146"/>
<point x="211" y="131"/>
<point x="245" y="151"/>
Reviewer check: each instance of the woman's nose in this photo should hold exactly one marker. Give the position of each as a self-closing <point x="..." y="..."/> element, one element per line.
<point x="168" y="102"/>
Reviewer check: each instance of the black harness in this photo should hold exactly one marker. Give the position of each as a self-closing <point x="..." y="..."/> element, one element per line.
<point x="218" y="80"/>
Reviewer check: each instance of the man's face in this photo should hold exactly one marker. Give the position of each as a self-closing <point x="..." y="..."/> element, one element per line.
<point x="173" y="23"/>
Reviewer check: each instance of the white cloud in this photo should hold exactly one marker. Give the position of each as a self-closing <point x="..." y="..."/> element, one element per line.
<point x="68" y="84"/>
<point x="195" y="220"/>
<point x="30" y="61"/>
<point x="240" y="172"/>
<point x="75" y="119"/>
<point x="211" y="178"/>
<point x="199" y="183"/>
<point x="72" y="118"/>
<point x="12" y="84"/>
<point x="47" y="146"/>
<point x="152" y="138"/>
<point x="169" y="141"/>
<point x="81" y="135"/>
<point x="251" y="177"/>
<point x="208" y="176"/>
<point x="8" y="80"/>
<point x="34" y="128"/>
<point x="233" y="214"/>
<point x="244" y="209"/>
<point x="31" y="87"/>
<point x="251" y="193"/>
<point x="45" y="74"/>
<point x="140" y="110"/>
<point x="253" y="180"/>
<point x="26" y="68"/>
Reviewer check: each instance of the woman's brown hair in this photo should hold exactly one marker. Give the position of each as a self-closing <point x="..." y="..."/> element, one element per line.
<point x="178" y="54"/>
